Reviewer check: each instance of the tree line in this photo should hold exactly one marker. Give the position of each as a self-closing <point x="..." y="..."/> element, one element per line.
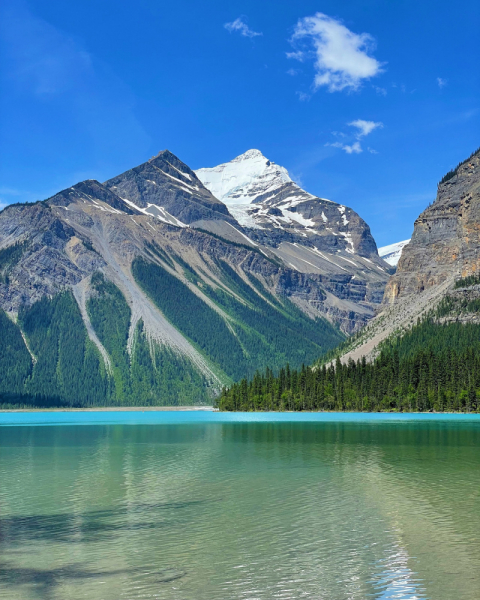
<point x="431" y="368"/>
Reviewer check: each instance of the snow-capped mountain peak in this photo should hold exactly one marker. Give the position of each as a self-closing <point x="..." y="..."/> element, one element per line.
<point x="391" y="253"/>
<point x="244" y="179"/>
<point x="276" y="212"/>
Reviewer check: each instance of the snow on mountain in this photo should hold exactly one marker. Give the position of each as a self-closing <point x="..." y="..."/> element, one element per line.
<point x="276" y="212"/>
<point x="244" y="178"/>
<point x="391" y="254"/>
<point x="250" y="185"/>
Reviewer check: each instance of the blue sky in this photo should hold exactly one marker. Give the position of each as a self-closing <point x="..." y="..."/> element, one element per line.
<point x="366" y="102"/>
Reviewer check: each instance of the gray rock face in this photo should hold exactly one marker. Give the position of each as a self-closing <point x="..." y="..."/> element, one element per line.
<point x="164" y="181"/>
<point x="53" y="260"/>
<point x="445" y="246"/>
<point x="89" y="191"/>
<point x="446" y="238"/>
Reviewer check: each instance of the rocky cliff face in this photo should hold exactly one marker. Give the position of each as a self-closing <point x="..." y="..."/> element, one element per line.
<point x="445" y="247"/>
<point x="446" y="240"/>
<point x="166" y="188"/>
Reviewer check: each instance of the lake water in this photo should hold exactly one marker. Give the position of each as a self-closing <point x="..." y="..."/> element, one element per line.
<point x="208" y="506"/>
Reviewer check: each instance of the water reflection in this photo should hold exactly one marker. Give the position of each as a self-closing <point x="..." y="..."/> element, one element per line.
<point x="329" y="511"/>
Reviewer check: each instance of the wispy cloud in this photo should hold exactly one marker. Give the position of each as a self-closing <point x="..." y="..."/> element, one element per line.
<point x="302" y="96"/>
<point x="12" y="195"/>
<point x="364" y="127"/>
<point x="441" y="82"/>
<point x="380" y="90"/>
<point x="292" y="72"/>
<point x="6" y="191"/>
<point x="342" y="58"/>
<point x="296" y="55"/>
<point x="354" y="148"/>
<point x="241" y="27"/>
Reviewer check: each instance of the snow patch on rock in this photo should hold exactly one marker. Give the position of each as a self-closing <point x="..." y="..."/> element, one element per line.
<point x="391" y="253"/>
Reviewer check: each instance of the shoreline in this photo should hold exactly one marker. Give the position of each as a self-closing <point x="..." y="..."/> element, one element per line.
<point x="196" y="408"/>
<point x="111" y="409"/>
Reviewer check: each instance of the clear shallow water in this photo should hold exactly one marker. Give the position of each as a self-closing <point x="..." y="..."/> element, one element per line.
<point x="206" y="506"/>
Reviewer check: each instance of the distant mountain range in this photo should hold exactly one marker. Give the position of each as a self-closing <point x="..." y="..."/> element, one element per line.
<point x="163" y="284"/>
<point x="422" y="350"/>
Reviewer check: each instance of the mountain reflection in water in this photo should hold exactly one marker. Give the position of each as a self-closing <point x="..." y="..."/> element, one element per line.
<point x="214" y="510"/>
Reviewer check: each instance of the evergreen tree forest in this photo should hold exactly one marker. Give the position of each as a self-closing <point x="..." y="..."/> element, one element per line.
<point x="48" y="359"/>
<point x="62" y="367"/>
<point x="433" y="367"/>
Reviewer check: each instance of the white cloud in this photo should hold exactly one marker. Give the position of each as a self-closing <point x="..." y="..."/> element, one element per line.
<point x="380" y="91"/>
<point x="242" y="28"/>
<point x="297" y="55"/>
<point x="292" y="72"/>
<point x="364" y="127"/>
<point x="441" y="82"/>
<point x="342" y="59"/>
<point x="354" y="148"/>
<point x="302" y="96"/>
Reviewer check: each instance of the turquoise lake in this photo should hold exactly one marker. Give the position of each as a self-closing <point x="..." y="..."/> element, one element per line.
<point x="214" y="506"/>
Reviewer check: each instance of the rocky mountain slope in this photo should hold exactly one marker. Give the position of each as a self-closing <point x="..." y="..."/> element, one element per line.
<point x="309" y="234"/>
<point x="446" y="239"/>
<point x="444" y="252"/>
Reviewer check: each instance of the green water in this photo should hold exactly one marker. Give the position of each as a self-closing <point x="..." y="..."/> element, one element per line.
<point x="201" y="508"/>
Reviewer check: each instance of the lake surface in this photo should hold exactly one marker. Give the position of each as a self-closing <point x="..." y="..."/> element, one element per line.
<point x="209" y="506"/>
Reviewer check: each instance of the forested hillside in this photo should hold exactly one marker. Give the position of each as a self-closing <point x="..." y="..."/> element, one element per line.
<point x="49" y="359"/>
<point x="65" y="368"/>
<point x="434" y="366"/>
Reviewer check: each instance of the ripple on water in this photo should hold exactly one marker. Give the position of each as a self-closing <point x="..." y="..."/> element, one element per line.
<point x="215" y="510"/>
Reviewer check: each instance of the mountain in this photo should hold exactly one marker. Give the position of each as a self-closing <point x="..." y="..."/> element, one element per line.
<point x="438" y="269"/>
<point x="446" y="238"/>
<point x="167" y="189"/>
<point x="391" y="253"/>
<point x="148" y="289"/>
<point x="311" y="235"/>
<point x="275" y="210"/>
<point x="109" y="295"/>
